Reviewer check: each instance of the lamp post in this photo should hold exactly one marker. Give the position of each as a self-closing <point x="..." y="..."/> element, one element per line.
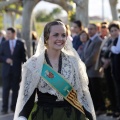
<point x="119" y="14"/>
<point x="102" y="10"/>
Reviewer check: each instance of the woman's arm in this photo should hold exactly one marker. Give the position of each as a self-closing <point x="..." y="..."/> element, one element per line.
<point x="22" y="118"/>
<point x="24" y="114"/>
<point x="26" y="95"/>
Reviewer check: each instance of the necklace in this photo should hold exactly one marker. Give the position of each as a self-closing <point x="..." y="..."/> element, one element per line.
<point x="56" y="64"/>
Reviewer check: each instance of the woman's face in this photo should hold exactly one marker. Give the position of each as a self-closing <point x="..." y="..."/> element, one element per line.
<point x="83" y="37"/>
<point x="57" y="37"/>
<point x="114" y="32"/>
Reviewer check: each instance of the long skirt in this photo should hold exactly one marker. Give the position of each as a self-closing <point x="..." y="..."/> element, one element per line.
<point x="51" y="112"/>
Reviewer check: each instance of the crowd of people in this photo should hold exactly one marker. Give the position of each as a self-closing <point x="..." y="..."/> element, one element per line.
<point x="97" y="46"/>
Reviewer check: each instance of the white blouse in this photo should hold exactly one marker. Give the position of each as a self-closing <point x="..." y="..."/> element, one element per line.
<point x="116" y="49"/>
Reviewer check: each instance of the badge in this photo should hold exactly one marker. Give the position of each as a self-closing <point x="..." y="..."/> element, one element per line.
<point x="49" y="74"/>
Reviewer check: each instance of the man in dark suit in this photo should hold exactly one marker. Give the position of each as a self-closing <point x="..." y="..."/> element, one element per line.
<point x="12" y="54"/>
<point x="77" y="27"/>
<point x="90" y="57"/>
<point x="2" y="39"/>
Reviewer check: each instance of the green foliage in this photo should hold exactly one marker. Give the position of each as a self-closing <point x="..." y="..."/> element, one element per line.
<point x="18" y="26"/>
<point x="16" y="6"/>
<point x="46" y="17"/>
<point x="1" y="22"/>
<point x="39" y="28"/>
<point x="56" y="11"/>
<point x="12" y="6"/>
<point x="71" y="15"/>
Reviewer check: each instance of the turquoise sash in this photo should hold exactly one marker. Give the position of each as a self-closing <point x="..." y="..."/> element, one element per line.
<point x="60" y="84"/>
<point x="56" y="80"/>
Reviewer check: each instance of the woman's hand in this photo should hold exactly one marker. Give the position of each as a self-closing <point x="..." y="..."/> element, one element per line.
<point x="22" y="118"/>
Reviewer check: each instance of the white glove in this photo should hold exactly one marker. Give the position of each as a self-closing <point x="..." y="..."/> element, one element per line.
<point x="22" y="118"/>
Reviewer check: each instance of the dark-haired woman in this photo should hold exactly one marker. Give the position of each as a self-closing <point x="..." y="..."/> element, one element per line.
<point x="114" y="30"/>
<point x="83" y="38"/>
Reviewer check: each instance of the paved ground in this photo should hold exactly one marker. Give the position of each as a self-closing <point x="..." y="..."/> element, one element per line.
<point x="10" y="115"/>
<point x="104" y="117"/>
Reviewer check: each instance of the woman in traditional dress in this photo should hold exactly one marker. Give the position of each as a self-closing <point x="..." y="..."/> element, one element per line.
<point x="57" y="75"/>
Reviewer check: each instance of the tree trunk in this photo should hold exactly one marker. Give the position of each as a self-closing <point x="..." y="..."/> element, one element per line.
<point x="82" y="11"/>
<point x="113" y="5"/>
<point x="28" y="6"/>
<point x="9" y="19"/>
<point x="33" y="23"/>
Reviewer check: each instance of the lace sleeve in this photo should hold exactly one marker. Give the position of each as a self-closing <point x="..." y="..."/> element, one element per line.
<point x="24" y="92"/>
<point x="28" y="106"/>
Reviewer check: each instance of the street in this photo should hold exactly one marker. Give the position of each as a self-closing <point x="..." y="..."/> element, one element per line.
<point x="8" y="116"/>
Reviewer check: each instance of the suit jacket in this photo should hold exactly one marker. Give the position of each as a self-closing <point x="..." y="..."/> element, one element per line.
<point x="3" y="39"/>
<point x="98" y="63"/>
<point x="76" y="42"/>
<point x="18" y="57"/>
<point x="90" y="55"/>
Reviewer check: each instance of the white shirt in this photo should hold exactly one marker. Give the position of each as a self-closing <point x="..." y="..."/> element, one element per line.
<point x="116" y="49"/>
<point x="12" y="44"/>
<point x="93" y="37"/>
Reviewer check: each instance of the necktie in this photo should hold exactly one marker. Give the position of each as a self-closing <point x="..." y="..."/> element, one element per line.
<point x="89" y="42"/>
<point x="12" y="47"/>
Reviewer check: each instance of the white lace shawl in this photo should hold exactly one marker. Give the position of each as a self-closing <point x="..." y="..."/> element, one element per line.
<point x="72" y="68"/>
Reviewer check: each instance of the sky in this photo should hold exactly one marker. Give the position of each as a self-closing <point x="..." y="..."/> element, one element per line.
<point x="95" y="8"/>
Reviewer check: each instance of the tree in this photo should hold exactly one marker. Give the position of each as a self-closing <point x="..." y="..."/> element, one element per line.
<point x="82" y="11"/>
<point x="5" y="3"/>
<point x="28" y="6"/>
<point x="113" y="4"/>
<point x="10" y="8"/>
